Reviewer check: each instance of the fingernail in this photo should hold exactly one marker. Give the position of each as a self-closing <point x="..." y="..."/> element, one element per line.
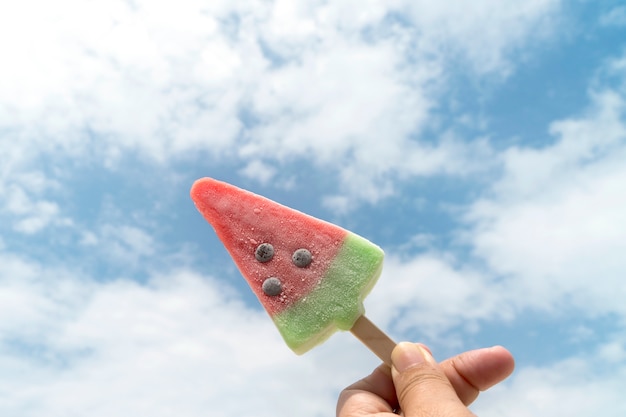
<point x="407" y="355"/>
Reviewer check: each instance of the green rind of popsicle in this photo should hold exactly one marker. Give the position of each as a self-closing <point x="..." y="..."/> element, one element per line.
<point x="337" y="302"/>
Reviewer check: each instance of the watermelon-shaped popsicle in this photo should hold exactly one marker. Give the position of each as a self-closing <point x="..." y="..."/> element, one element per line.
<point x="310" y="275"/>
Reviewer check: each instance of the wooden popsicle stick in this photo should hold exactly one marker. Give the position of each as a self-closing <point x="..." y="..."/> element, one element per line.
<point x="374" y="338"/>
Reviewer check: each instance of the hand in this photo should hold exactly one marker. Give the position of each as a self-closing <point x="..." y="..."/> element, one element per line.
<point x="421" y="387"/>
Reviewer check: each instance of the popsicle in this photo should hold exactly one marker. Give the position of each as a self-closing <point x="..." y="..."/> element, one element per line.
<point x="311" y="276"/>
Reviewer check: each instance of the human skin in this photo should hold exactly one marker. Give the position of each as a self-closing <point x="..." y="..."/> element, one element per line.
<point x="425" y="387"/>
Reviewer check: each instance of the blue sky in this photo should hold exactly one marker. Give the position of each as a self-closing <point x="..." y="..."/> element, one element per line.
<point x="483" y="147"/>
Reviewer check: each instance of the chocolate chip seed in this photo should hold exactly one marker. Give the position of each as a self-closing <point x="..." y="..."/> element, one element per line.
<point x="302" y="258"/>
<point x="264" y="252"/>
<point x="272" y="286"/>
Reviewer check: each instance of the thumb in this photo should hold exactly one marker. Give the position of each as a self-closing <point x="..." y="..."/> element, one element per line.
<point x="422" y="387"/>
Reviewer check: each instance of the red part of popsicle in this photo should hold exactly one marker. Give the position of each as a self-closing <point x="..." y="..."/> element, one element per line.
<point x="244" y="220"/>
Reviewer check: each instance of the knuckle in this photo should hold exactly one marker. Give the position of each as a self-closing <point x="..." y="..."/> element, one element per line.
<point x="425" y="391"/>
<point x="418" y="382"/>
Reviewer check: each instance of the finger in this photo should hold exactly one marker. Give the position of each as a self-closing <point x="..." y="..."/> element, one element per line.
<point x="422" y="387"/>
<point x="371" y="395"/>
<point x="469" y="373"/>
<point x="477" y="370"/>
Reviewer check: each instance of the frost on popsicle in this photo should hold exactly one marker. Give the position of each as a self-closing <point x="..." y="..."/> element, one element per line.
<point x="311" y="276"/>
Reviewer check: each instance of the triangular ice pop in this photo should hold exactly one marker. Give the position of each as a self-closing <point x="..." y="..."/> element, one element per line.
<point x="310" y="275"/>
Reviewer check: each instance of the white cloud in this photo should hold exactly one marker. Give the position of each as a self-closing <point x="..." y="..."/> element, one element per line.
<point x="180" y="343"/>
<point x="431" y="295"/>
<point x="35" y="300"/>
<point x="126" y="244"/>
<point x="488" y="34"/>
<point x="29" y="211"/>
<point x="137" y="77"/>
<point x="334" y="84"/>
<point x="555" y="225"/>
<point x="552" y="234"/>
<point x="577" y="386"/>
<point x="97" y="81"/>
<point x="259" y="171"/>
